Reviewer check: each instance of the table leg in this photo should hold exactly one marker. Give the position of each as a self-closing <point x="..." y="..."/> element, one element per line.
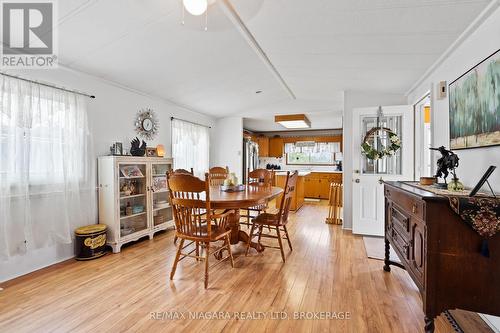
<point x="238" y="235"/>
<point x="243" y="237"/>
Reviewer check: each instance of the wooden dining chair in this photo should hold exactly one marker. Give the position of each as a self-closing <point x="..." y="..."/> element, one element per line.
<point x="259" y="178"/>
<point x="218" y="175"/>
<point x="185" y="171"/>
<point x="276" y="221"/>
<point x="195" y="221"/>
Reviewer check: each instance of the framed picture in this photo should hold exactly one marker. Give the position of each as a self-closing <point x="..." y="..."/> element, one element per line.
<point x="474" y="106"/>
<point x="151" y="152"/>
<point x="118" y="148"/>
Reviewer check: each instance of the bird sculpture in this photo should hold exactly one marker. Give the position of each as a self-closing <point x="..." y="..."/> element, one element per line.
<point x="136" y="149"/>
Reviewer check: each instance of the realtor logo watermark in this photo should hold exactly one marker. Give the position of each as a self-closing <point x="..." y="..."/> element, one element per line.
<point x="28" y="34"/>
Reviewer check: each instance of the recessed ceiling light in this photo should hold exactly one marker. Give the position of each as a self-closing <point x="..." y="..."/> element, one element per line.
<point x="293" y="121"/>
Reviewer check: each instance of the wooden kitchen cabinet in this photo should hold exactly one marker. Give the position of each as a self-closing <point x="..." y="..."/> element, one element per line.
<point x="309" y="187"/>
<point x="298" y="194"/>
<point x="317" y="184"/>
<point x="276" y="147"/>
<point x="263" y="142"/>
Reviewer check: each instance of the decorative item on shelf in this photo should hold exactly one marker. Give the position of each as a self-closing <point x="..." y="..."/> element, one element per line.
<point x="146" y="124"/>
<point x="160" y="151"/>
<point x="131" y="171"/>
<point x="448" y="161"/>
<point x="151" y="152"/>
<point x="137" y="209"/>
<point x="128" y="209"/>
<point x="128" y="188"/>
<point x="116" y="149"/>
<point x="127" y="231"/>
<point x="159" y="219"/>
<point x="136" y="148"/>
<point x="455" y="185"/>
<point x="161" y="204"/>
<point x="428" y="180"/>
<point x="376" y="134"/>
<point x="159" y="183"/>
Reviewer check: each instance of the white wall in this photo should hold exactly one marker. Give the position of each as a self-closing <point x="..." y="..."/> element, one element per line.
<point x="473" y="162"/>
<point x="111" y="118"/>
<point x="352" y="100"/>
<point x="227" y="145"/>
<point x="480" y="44"/>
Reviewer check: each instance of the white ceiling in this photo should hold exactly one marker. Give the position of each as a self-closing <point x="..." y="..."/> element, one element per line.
<point x="319" y="47"/>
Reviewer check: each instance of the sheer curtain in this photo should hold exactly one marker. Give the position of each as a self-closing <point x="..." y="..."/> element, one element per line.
<point x="47" y="181"/>
<point x="190" y="146"/>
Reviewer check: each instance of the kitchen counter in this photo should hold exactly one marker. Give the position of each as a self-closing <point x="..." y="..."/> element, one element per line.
<point x="283" y="173"/>
<point x="305" y="172"/>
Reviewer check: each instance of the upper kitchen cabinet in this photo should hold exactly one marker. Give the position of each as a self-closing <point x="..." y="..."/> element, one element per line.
<point x="263" y="142"/>
<point x="276" y="147"/>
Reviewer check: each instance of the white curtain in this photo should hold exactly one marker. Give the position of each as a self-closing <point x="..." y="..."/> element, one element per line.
<point x="47" y="181"/>
<point x="190" y="146"/>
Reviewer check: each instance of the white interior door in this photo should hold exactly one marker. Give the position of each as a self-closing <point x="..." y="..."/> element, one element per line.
<point x="368" y="189"/>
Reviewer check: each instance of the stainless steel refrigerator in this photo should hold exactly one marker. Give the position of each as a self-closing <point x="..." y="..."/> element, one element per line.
<point x="250" y="157"/>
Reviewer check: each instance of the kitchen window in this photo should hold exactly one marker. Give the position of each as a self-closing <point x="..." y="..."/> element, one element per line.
<point x="311" y="153"/>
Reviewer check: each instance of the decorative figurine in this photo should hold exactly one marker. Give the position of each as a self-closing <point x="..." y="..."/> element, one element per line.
<point x="135" y="149"/>
<point x="448" y="161"/>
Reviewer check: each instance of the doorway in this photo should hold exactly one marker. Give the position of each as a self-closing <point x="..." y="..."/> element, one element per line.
<point x="423" y="137"/>
<point x="369" y="174"/>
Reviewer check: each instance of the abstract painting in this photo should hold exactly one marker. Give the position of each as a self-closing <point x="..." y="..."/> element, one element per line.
<point x="475" y="106"/>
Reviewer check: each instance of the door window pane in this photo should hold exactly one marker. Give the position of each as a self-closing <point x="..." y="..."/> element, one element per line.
<point x="388" y="165"/>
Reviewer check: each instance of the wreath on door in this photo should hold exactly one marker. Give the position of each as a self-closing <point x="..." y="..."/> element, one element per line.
<point x="368" y="149"/>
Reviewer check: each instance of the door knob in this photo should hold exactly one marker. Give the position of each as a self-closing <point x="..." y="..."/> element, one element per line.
<point x="357" y="180"/>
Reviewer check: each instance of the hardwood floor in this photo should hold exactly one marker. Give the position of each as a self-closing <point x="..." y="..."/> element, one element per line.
<point x="328" y="271"/>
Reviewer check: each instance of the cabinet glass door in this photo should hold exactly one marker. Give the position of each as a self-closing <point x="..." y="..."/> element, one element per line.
<point x="133" y="198"/>
<point x="162" y="211"/>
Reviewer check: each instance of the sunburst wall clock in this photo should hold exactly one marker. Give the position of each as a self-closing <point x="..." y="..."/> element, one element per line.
<point x="146" y="124"/>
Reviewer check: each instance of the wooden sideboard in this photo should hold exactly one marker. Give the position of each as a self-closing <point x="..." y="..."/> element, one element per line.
<point x="440" y="253"/>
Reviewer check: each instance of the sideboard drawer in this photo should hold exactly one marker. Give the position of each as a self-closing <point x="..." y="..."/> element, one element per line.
<point x="408" y="203"/>
<point x="400" y="220"/>
<point x="401" y="244"/>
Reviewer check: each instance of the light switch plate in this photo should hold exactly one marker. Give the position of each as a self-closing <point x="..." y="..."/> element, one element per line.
<point x="442" y="90"/>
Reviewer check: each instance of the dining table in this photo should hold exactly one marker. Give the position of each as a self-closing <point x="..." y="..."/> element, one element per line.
<point x="251" y="196"/>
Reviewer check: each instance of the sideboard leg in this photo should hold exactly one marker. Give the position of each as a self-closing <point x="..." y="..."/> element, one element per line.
<point x="387" y="261"/>
<point x="429" y="325"/>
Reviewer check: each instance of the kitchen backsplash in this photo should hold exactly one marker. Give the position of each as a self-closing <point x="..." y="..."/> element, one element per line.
<point x="263" y="161"/>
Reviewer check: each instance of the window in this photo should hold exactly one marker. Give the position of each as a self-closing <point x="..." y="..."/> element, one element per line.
<point x="390" y="165"/>
<point x="312" y="153"/>
<point x="47" y="183"/>
<point x="190" y="146"/>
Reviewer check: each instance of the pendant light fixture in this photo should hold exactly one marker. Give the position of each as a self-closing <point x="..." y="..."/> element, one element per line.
<point x="195" y="7"/>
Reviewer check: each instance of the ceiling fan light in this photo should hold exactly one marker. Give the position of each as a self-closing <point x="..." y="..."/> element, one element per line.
<point x="195" y="7"/>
